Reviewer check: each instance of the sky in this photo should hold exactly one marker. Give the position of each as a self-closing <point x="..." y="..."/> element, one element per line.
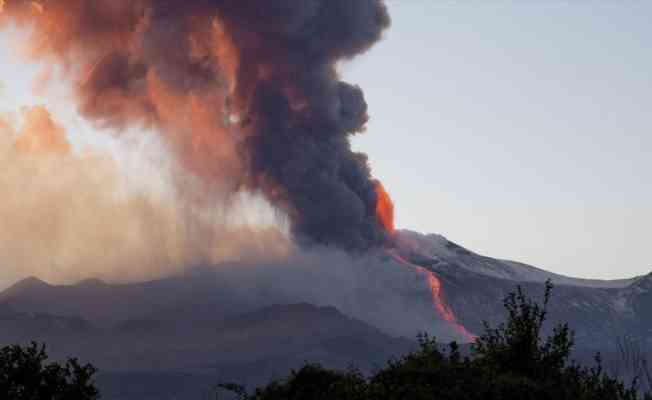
<point x="519" y="129"/>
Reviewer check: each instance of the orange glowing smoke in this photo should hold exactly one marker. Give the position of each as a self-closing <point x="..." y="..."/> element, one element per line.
<point x="40" y="134"/>
<point x="102" y="46"/>
<point x="37" y="7"/>
<point x="384" y="207"/>
<point x="243" y="92"/>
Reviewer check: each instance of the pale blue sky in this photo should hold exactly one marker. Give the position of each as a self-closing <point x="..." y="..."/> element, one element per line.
<point x="520" y="129"/>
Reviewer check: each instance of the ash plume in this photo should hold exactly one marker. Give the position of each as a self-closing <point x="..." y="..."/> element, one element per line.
<point x="246" y="93"/>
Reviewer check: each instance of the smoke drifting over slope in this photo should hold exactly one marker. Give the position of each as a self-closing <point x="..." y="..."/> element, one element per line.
<point x="246" y="92"/>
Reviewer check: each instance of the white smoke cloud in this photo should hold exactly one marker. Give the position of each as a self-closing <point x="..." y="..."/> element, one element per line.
<point x="68" y="216"/>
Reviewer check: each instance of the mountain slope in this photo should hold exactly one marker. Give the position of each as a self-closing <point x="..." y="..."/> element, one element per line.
<point x="191" y="327"/>
<point x="474" y="285"/>
<point x="438" y="249"/>
<point x="251" y="323"/>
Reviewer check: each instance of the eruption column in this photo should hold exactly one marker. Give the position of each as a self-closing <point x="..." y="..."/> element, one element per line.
<point x="247" y="94"/>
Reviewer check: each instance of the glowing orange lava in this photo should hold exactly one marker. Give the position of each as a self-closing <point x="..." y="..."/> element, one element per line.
<point x="444" y="310"/>
<point x="384" y="207"/>
<point x="385" y="214"/>
<point x="437" y="295"/>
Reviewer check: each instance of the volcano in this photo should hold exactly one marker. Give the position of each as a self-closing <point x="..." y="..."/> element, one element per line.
<point x="245" y="99"/>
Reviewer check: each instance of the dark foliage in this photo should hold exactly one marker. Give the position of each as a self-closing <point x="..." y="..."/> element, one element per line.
<point x="511" y="361"/>
<point x="24" y="375"/>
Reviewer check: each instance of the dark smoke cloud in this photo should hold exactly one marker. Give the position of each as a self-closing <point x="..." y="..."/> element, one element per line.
<point x="246" y="92"/>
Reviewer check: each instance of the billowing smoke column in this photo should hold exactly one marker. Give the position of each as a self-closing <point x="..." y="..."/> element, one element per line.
<point x="246" y="92"/>
<point x="304" y="115"/>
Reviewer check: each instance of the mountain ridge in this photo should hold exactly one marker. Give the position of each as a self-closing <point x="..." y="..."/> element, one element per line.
<point x="438" y="247"/>
<point x="202" y="323"/>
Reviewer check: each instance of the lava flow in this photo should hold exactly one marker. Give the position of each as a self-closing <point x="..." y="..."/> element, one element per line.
<point x="437" y="295"/>
<point x="385" y="212"/>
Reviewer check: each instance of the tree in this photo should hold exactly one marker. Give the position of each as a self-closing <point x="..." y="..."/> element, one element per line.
<point x="24" y="375"/>
<point x="517" y="346"/>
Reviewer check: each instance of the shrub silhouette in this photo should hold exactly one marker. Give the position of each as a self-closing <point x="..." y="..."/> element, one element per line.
<point x="25" y="376"/>
<point x="512" y="361"/>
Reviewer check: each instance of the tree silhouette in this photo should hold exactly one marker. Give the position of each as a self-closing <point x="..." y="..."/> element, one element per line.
<point x="24" y="375"/>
